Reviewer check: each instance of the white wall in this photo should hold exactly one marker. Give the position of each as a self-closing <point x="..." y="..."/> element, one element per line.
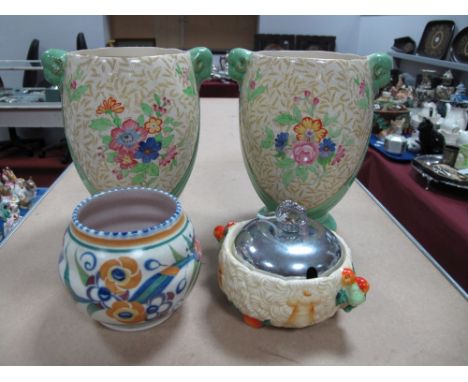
<point x="17" y="32"/>
<point x="345" y="28"/>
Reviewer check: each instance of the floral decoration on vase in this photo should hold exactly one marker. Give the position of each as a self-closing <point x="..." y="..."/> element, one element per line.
<point x="307" y="143"/>
<point x="137" y="148"/>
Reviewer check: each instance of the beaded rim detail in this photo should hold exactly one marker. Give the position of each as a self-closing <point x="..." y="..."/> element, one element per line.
<point x="126" y="234"/>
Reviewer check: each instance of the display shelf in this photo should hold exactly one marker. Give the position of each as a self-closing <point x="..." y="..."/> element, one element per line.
<point x="430" y="61"/>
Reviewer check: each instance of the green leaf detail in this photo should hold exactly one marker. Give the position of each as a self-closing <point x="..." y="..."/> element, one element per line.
<point x="140" y="167"/>
<point x="100" y="124"/>
<point x="141" y="120"/>
<point x="117" y="121"/>
<point x="166" y="141"/>
<point x="297" y="113"/>
<point x="169" y="121"/>
<point x="301" y="173"/>
<point x="269" y="139"/>
<point x="356" y="81"/>
<point x="106" y="139"/>
<point x="287" y="177"/>
<point x="147" y="109"/>
<point x="334" y="133"/>
<point x="157" y="99"/>
<point x="286" y="119"/>
<point x="189" y="91"/>
<point x="362" y="104"/>
<point x="153" y="169"/>
<point x="324" y="161"/>
<point x="255" y="93"/>
<point x="93" y="308"/>
<point x="138" y="179"/>
<point x="178" y="70"/>
<point x="285" y="162"/>
<point x="158" y="138"/>
<point x="78" y="92"/>
<point x="168" y="129"/>
<point x="83" y="276"/>
<point x="177" y="256"/>
<point x="111" y="156"/>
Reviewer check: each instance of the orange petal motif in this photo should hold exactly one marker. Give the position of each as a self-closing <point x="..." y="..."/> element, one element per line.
<point x="310" y="129"/>
<point x="120" y="274"/>
<point x="110" y="104"/>
<point x="127" y="312"/>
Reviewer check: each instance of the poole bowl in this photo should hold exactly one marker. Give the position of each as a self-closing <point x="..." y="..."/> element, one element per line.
<point x="130" y="257"/>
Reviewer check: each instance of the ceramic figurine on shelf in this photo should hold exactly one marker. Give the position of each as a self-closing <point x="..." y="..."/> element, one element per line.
<point x="26" y="191"/>
<point x="460" y="95"/>
<point x="131" y="114"/>
<point x="305" y="122"/>
<point x="432" y="142"/>
<point x="445" y="90"/>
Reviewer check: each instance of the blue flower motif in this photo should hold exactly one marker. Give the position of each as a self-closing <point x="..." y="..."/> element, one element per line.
<point x="281" y="140"/>
<point x="148" y="150"/>
<point x="327" y="148"/>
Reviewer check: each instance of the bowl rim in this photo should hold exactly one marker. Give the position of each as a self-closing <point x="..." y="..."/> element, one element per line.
<point x="138" y="233"/>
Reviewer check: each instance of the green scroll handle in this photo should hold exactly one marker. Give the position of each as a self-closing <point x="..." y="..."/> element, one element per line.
<point x="380" y="65"/>
<point x="238" y="60"/>
<point x="53" y="61"/>
<point x="202" y="60"/>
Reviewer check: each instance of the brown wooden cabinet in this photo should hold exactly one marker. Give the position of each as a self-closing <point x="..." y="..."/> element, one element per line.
<point x="219" y="33"/>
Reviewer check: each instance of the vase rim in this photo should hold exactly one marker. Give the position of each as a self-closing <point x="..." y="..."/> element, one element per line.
<point x="309" y="55"/>
<point x="126" y="52"/>
<point x="168" y="219"/>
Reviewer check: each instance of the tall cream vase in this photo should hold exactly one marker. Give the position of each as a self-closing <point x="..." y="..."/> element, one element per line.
<point x="305" y="122"/>
<point x="131" y="115"/>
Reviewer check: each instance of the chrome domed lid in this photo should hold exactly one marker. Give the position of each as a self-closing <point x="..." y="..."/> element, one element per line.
<point x="289" y="244"/>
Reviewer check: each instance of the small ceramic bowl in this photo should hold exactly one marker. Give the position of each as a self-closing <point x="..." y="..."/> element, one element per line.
<point x="130" y="257"/>
<point x="280" y="274"/>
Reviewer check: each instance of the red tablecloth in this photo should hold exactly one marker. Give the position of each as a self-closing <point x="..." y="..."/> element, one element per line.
<point x="437" y="218"/>
<point x="219" y="88"/>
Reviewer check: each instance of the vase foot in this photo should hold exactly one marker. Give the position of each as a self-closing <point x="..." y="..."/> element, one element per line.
<point x="327" y="220"/>
<point x="137" y="327"/>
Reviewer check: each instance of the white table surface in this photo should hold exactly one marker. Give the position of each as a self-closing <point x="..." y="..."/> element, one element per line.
<point x="412" y="315"/>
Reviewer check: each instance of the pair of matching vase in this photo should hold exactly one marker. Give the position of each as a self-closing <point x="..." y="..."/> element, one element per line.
<point x="132" y="121"/>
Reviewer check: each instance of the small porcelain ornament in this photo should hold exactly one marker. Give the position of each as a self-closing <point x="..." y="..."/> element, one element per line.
<point x="132" y="115"/>
<point x="305" y="122"/>
<point x="287" y="270"/>
<point x="130" y="257"/>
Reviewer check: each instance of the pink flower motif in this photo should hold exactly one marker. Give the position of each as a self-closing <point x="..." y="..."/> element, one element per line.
<point x="170" y="155"/>
<point x="307" y="93"/>
<point x="128" y="136"/>
<point x="305" y="152"/>
<point x="362" y="88"/>
<point x="316" y="101"/>
<point x="340" y="153"/>
<point x="73" y="85"/>
<point x="252" y="84"/>
<point x="296" y="99"/>
<point x="126" y="160"/>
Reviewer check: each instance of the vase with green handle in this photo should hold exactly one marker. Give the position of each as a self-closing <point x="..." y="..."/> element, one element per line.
<point x="131" y="115"/>
<point x="305" y="122"/>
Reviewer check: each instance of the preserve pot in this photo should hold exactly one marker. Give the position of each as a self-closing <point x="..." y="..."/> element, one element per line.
<point x="132" y="114"/>
<point x="305" y="122"/>
<point x="287" y="270"/>
<point x="129" y="257"/>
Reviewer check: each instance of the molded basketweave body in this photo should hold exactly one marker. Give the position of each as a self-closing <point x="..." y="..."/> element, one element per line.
<point x="131" y="114"/>
<point x="305" y="122"/>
